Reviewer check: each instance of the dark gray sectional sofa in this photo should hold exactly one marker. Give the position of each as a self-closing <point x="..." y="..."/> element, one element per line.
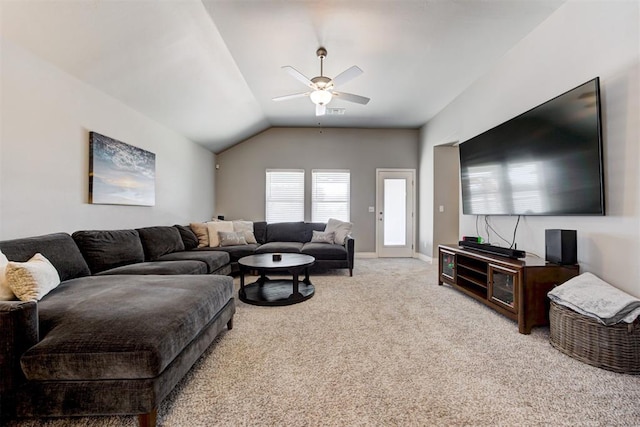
<point x="133" y="312"/>
<point x="113" y="342"/>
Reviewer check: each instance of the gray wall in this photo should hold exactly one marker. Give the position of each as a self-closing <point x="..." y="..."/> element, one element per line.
<point x="604" y="41"/>
<point x="46" y="117"/>
<point x="240" y="179"/>
<point x="446" y="193"/>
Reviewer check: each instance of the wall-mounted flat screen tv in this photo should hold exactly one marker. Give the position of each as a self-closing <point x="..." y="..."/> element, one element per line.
<point x="546" y="161"/>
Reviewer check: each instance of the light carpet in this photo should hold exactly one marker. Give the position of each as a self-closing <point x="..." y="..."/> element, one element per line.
<point x="387" y="347"/>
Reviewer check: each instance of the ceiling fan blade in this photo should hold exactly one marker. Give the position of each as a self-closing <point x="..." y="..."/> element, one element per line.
<point x="292" y="96"/>
<point x="321" y="109"/>
<point x="299" y="76"/>
<point x="351" y="97"/>
<point x="347" y="75"/>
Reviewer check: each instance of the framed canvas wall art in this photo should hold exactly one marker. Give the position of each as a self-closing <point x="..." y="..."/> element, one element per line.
<point x="119" y="173"/>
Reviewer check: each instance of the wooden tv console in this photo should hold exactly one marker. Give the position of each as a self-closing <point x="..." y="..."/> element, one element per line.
<point x="517" y="288"/>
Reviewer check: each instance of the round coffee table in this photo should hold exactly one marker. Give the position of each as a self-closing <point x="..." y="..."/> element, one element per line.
<point x="276" y="292"/>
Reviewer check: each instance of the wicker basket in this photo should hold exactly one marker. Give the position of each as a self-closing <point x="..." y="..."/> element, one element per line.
<point x="615" y="348"/>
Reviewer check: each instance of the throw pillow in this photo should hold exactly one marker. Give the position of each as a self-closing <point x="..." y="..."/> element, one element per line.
<point x="231" y="238"/>
<point x="341" y="228"/>
<point x="323" y="237"/>
<point x="201" y="232"/>
<point x="214" y="228"/>
<point x="32" y="280"/>
<point x="6" y="294"/>
<point x="245" y="227"/>
<point x="189" y="238"/>
<point x="160" y="240"/>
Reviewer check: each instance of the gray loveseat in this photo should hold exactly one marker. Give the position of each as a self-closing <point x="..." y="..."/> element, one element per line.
<point x="113" y="342"/>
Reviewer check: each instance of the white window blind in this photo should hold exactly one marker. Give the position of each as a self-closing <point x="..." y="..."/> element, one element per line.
<point x="330" y="195"/>
<point x="284" y="195"/>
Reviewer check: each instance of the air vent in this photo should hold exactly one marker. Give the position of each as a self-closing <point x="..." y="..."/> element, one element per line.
<point x="335" y="111"/>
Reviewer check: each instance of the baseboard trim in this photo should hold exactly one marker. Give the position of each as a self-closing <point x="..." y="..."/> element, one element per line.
<point x="366" y="255"/>
<point x="424" y="258"/>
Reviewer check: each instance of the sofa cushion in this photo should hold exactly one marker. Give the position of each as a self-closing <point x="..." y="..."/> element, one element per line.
<point x="201" y="232"/>
<point x="288" y="232"/>
<point x="260" y="231"/>
<point x="158" y="241"/>
<point x="341" y="228"/>
<point x="311" y="227"/>
<point x="106" y="249"/>
<point x="215" y="227"/>
<point x="231" y="238"/>
<point x="214" y="260"/>
<point x="246" y="227"/>
<point x="59" y="248"/>
<point x="323" y="237"/>
<point x="126" y="327"/>
<point x="283" y="247"/>
<point x="32" y="280"/>
<point x="325" y="251"/>
<point x="189" y="239"/>
<point x="6" y="294"/>
<point x="234" y="252"/>
<point x="159" y="267"/>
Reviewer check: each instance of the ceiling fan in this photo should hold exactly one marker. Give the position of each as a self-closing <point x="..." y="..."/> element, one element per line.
<point x="323" y="86"/>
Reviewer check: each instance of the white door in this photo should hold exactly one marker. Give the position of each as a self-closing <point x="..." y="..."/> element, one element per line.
<point x="395" y="194"/>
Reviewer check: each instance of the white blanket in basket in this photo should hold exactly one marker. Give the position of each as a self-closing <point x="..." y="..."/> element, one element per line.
<point x="589" y="295"/>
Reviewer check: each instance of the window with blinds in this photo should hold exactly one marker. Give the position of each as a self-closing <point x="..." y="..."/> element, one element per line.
<point x="330" y="195"/>
<point x="284" y="195"/>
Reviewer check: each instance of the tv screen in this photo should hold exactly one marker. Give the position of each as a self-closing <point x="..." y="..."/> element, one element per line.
<point x="546" y="161"/>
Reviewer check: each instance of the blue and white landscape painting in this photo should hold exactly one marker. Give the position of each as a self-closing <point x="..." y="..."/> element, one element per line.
<point x="119" y="173"/>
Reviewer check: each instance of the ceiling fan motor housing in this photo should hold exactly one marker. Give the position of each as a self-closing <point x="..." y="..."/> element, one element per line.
<point x="321" y="52"/>
<point x="322" y="82"/>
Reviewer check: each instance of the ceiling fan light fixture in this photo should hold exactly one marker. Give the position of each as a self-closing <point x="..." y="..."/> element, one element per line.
<point x="321" y="97"/>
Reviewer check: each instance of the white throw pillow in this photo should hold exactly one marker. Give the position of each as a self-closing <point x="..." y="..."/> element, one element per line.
<point x="340" y="228"/>
<point x="6" y="294"/>
<point x="216" y="226"/>
<point x="32" y="280"/>
<point x="246" y="227"/>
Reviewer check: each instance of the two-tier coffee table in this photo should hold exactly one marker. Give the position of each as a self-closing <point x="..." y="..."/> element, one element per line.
<point x="280" y="291"/>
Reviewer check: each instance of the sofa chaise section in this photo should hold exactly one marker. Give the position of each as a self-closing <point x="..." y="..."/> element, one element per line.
<point x="104" y="344"/>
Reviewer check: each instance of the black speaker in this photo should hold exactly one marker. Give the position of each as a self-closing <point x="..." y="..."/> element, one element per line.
<point x="560" y="246"/>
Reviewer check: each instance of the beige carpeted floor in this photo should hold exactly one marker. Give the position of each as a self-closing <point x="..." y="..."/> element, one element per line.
<point x="388" y="347"/>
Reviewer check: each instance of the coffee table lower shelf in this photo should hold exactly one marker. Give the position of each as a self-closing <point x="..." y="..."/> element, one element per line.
<point x="265" y="291"/>
<point x="275" y="292"/>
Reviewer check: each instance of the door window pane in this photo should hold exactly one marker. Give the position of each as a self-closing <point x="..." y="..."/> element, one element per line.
<point x="395" y="212"/>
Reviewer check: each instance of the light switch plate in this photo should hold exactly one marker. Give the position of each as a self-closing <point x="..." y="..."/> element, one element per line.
<point x="372" y="209"/>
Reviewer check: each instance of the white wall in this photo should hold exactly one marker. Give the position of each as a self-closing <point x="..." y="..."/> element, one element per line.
<point x="46" y="116"/>
<point x="581" y="40"/>
<point x="240" y="181"/>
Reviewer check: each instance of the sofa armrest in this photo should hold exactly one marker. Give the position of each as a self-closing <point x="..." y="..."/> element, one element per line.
<point x="349" y="244"/>
<point x="18" y="332"/>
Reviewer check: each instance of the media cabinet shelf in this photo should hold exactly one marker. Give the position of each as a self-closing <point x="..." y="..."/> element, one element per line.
<point x="516" y="288"/>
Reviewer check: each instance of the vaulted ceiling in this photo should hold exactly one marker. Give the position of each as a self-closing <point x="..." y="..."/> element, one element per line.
<point x="209" y="69"/>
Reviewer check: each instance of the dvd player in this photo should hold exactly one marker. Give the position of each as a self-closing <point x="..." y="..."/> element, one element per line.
<point x="496" y="250"/>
